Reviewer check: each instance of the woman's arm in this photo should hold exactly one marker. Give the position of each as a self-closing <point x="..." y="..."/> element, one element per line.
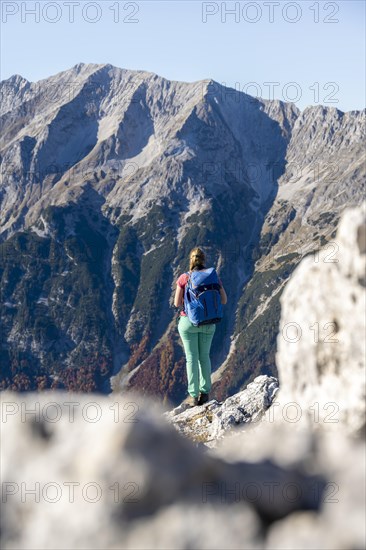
<point x="223" y="295"/>
<point x="178" y="298"/>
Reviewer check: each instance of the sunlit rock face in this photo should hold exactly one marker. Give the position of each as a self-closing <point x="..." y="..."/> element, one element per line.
<point x="321" y="341"/>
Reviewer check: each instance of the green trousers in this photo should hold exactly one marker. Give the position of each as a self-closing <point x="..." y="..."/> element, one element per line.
<point x="197" y="344"/>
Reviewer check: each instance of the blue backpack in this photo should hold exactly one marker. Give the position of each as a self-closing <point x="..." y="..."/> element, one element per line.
<point x="202" y="300"/>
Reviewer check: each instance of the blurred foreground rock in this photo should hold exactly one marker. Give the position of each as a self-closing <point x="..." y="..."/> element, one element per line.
<point x="87" y="472"/>
<point x="321" y="341"/>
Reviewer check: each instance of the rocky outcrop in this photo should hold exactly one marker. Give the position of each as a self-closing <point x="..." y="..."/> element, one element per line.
<point x="321" y="341"/>
<point x="90" y="472"/>
<point x="209" y="423"/>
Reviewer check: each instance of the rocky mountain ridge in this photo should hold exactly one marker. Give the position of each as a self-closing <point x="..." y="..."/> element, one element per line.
<point x="110" y="176"/>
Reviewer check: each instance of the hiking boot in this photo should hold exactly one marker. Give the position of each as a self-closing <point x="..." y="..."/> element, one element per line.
<point x="192" y="401"/>
<point x="203" y="398"/>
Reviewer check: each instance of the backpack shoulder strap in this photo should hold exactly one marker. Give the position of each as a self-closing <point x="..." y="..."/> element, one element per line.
<point x="190" y="284"/>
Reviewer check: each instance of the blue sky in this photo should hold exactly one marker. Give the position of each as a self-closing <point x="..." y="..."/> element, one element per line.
<point x="310" y="52"/>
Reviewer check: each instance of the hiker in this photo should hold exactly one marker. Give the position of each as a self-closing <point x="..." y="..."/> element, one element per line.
<point x="196" y="339"/>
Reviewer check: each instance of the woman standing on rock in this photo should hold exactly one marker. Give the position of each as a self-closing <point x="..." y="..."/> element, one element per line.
<point x="196" y="339"/>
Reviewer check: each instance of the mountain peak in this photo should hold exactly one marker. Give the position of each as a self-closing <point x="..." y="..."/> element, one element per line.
<point x="78" y="67"/>
<point x="16" y="80"/>
<point x="322" y="109"/>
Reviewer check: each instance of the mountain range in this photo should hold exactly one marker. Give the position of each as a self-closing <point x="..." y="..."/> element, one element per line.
<point x="110" y="176"/>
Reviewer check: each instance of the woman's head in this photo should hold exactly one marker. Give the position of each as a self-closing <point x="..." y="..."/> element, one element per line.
<point x="197" y="259"/>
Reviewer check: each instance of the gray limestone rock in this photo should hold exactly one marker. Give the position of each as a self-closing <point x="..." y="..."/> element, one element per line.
<point x="84" y="471"/>
<point x="209" y="422"/>
<point x="321" y="341"/>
